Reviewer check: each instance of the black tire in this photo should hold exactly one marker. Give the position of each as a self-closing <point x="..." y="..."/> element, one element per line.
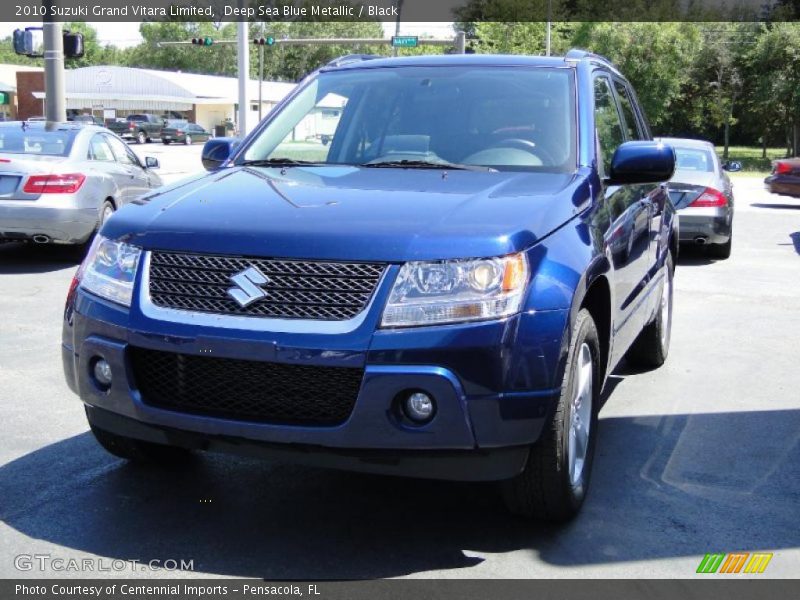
<point x="105" y="212"/>
<point x="165" y="142"/>
<point x="721" y="251"/>
<point x="137" y="450"/>
<point x="188" y="140"/>
<point x="546" y="489"/>
<point x="141" y="138"/>
<point x="651" y="348"/>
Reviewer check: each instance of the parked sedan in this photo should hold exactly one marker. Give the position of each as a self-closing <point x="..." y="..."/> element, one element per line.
<point x="59" y="182"/>
<point x="701" y="191"/>
<point x="785" y="177"/>
<point x="184" y="133"/>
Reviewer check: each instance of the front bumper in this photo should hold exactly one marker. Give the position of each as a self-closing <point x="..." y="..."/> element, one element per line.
<point x="23" y="220"/>
<point x="714" y="225"/>
<point x="492" y="382"/>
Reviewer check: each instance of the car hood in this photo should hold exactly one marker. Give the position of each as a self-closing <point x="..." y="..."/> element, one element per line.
<point x="352" y="213"/>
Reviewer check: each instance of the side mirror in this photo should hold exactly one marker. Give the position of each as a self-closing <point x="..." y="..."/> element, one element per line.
<point x="151" y="162"/>
<point x="642" y="162"/>
<point x="732" y="166"/>
<point x="216" y="151"/>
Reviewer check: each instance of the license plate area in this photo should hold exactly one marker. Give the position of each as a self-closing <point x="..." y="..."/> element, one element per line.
<point x="9" y="184"/>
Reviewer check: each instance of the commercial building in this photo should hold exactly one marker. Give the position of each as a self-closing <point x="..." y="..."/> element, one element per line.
<point x="112" y="92"/>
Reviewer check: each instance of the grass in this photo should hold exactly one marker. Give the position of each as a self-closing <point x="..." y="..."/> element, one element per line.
<point x="750" y="157"/>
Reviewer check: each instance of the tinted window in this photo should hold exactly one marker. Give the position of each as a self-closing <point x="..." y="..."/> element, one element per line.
<point x="502" y="117"/>
<point x="607" y="121"/>
<point x="694" y="159"/>
<point x="632" y="130"/>
<point x="35" y="140"/>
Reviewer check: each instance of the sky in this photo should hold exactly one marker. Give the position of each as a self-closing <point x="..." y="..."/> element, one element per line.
<point x="127" y="34"/>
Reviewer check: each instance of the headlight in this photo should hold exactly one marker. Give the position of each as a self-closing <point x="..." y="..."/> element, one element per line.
<point x="448" y="291"/>
<point x="109" y="268"/>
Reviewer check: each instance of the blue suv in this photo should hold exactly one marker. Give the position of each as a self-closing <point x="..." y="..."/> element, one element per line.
<point x="439" y="290"/>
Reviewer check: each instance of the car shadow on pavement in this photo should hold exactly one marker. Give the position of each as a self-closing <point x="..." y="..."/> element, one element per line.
<point x="693" y="256"/>
<point x="774" y="205"/>
<point x="663" y="487"/>
<point x="21" y="257"/>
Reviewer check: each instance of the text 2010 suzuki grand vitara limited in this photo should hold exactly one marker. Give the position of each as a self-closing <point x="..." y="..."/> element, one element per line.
<point x="438" y="290"/>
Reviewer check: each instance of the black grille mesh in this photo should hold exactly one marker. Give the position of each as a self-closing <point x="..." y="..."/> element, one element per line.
<point x="330" y="291"/>
<point x="246" y="390"/>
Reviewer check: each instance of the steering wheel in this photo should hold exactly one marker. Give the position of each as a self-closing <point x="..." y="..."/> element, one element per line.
<point x="527" y="146"/>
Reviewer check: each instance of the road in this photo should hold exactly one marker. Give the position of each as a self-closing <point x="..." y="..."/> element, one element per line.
<point x="702" y="455"/>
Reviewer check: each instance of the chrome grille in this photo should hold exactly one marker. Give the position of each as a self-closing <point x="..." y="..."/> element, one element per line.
<point x="333" y="291"/>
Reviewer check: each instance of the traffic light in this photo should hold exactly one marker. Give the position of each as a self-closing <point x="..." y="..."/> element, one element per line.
<point x="30" y="42"/>
<point x="203" y="41"/>
<point x="73" y="45"/>
<point x="264" y="41"/>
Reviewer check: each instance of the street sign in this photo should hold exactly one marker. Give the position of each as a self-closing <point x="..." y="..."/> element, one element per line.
<point x="405" y="41"/>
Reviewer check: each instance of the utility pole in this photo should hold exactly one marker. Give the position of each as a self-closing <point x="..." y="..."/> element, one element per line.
<point x="53" y="69"/>
<point x="243" y="60"/>
<point x="399" y="4"/>
<point x="260" y="72"/>
<point x="549" y="25"/>
<point x="461" y="43"/>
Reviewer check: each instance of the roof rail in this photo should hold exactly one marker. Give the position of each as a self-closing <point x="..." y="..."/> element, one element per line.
<point x="579" y="53"/>
<point x="351" y="58"/>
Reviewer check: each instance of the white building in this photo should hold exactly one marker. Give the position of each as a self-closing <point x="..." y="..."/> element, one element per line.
<point x="111" y="91"/>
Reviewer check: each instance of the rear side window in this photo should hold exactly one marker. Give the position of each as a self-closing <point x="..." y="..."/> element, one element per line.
<point x="607" y="121"/>
<point x="632" y="128"/>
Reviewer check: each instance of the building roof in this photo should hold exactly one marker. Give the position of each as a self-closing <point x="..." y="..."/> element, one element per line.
<point x="131" y="88"/>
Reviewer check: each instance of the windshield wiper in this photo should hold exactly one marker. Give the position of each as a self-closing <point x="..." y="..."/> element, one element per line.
<point x="278" y="162"/>
<point x="425" y="164"/>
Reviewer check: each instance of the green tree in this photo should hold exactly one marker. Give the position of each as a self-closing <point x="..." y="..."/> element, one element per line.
<point x="775" y="61"/>
<point x="655" y="57"/>
<point x="217" y="59"/>
<point x="290" y="63"/>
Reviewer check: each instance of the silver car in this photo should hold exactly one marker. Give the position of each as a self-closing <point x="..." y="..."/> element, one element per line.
<point x="60" y="181"/>
<point x="702" y="193"/>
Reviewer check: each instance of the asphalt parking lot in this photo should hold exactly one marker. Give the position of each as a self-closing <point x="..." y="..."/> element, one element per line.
<point x="702" y="455"/>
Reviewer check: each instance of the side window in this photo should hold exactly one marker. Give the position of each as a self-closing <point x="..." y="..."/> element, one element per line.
<point x="99" y="149"/>
<point x="632" y="128"/>
<point x="607" y="122"/>
<point x="124" y="154"/>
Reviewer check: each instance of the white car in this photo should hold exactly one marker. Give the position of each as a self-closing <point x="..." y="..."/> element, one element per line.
<point x="60" y="181"/>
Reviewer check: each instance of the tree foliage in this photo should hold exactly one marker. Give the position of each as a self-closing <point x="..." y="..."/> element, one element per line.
<point x="714" y="80"/>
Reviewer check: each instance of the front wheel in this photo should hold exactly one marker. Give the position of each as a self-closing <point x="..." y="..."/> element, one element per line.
<point x="554" y="483"/>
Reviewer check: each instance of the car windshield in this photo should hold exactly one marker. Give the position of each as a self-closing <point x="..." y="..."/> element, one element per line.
<point x="505" y="118"/>
<point x="694" y="159"/>
<point x="35" y="140"/>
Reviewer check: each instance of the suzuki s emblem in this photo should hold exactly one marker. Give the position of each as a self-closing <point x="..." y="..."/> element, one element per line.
<point x="247" y="288"/>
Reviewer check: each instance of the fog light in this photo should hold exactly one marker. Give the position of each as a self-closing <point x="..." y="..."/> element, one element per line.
<point x="419" y="407"/>
<point x="102" y="373"/>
